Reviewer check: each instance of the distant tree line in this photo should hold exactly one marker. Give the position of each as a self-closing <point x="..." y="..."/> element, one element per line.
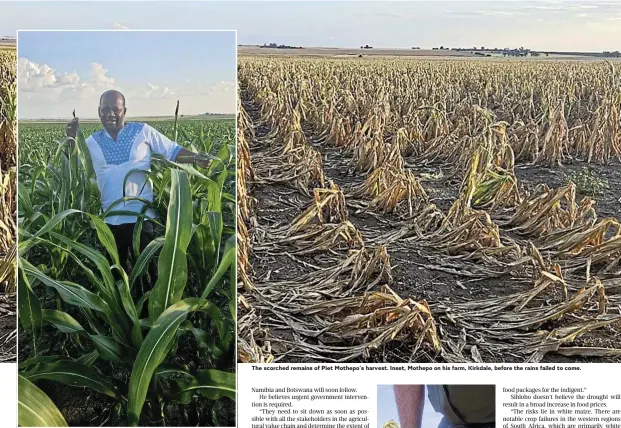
<point x="523" y="52"/>
<point x="277" y="46"/>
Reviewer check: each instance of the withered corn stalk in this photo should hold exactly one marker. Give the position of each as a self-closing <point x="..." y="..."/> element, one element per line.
<point x="328" y="206"/>
<point x="390" y="188"/>
<point x="472" y="121"/>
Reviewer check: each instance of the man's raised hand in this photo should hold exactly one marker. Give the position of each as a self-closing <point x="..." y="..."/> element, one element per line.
<point x="72" y="128"/>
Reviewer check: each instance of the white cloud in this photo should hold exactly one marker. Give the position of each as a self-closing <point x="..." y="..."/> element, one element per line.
<point x="33" y="76"/>
<point x="48" y="93"/>
<point x="99" y="76"/>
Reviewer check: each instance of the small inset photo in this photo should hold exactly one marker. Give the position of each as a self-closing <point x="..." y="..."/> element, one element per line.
<point x="126" y="222"/>
<point x="436" y="406"/>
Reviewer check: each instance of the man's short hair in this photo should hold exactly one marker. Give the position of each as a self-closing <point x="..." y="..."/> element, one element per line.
<point x="112" y="91"/>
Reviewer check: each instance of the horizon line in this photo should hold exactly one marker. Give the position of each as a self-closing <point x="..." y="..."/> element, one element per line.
<point x="133" y="117"/>
<point x="265" y="45"/>
<point x="15" y="42"/>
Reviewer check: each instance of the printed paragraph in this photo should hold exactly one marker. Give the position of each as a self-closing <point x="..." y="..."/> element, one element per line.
<point x="319" y="407"/>
<point x="559" y="407"/>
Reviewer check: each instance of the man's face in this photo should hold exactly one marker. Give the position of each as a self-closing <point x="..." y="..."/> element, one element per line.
<point x="112" y="112"/>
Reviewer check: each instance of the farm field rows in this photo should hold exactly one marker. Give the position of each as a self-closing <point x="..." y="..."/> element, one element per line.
<point x="8" y="228"/>
<point x="101" y="341"/>
<point x="429" y="211"/>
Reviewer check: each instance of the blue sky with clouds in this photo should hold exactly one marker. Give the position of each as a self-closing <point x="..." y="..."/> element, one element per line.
<point x="59" y="71"/>
<point x="542" y="25"/>
<point x="208" y="55"/>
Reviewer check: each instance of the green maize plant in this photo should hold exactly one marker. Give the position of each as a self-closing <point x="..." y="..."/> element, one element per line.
<point x="149" y="352"/>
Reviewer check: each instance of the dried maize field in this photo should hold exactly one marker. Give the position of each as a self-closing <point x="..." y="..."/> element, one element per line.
<point x="8" y="331"/>
<point x="428" y="211"/>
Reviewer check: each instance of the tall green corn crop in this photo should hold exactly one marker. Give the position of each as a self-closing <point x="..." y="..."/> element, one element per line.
<point x="91" y="322"/>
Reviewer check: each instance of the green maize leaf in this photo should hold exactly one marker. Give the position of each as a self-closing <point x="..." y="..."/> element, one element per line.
<point x="167" y="370"/>
<point x="64" y="147"/>
<point x="75" y="374"/>
<point x="203" y="252"/>
<point x="141" y="301"/>
<point x="88" y="163"/>
<point x="120" y="323"/>
<point x="154" y="349"/>
<point x="190" y="170"/>
<point x="214" y="220"/>
<point x="51" y="224"/>
<point x="136" y="234"/>
<point x="145" y="257"/>
<point x="62" y="321"/>
<point x="34" y="407"/>
<point x="177" y="380"/>
<point x="229" y="197"/>
<point x="130" y="308"/>
<point x="119" y="201"/>
<point x="112" y="350"/>
<point x="230" y="249"/>
<point x="77" y="295"/>
<point x="71" y="293"/>
<point x="172" y="263"/>
<point x="25" y="203"/>
<point x="89" y="359"/>
<point x="40" y="359"/>
<point x="215" y="384"/>
<point x="31" y="222"/>
<point x="98" y="259"/>
<point x="87" y="271"/>
<point x="212" y="384"/>
<point x="146" y="323"/>
<point x="106" y="238"/>
<point x="220" y="180"/>
<point x="28" y="304"/>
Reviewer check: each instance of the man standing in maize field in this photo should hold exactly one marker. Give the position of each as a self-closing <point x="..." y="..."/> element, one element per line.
<point x="115" y="151"/>
<point x="462" y="406"/>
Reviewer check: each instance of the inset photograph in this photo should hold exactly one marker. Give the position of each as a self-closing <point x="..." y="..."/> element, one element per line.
<point x="8" y="199"/>
<point x="436" y="406"/>
<point x="126" y="276"/>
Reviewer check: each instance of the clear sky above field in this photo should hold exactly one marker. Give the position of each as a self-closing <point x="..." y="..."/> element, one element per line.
<point x="540" y="25"/>
<point x="60" y="71"/>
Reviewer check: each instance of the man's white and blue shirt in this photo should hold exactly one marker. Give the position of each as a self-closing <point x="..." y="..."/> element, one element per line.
<point x="113" y="160"/>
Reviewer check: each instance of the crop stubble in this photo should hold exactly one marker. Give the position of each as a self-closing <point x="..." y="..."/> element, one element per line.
<point x="413" y="211"/>
<point x="8" y="332"/>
